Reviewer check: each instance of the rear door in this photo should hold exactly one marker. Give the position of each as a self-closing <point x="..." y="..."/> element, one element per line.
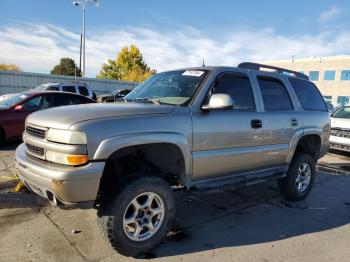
<point x="225" y="142"/>
<point x="280" y="120"/>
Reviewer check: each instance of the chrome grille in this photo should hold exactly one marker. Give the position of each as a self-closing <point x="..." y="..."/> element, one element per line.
<point x="36" y="132"/>
<point x="38" y="151"/>
<point x="340" y="133"/>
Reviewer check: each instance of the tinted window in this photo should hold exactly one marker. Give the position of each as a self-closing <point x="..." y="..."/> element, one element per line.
<point x="70" y="89"/>
<point x="65" y="100"/>
<point x="33" y="104"/>
<point x="239" y="88"/>
<point x="313" y="75"/>
<point x="345" y="75"/>
<point x="308" y="95"/>
<point x="52" y="88"/>
<point x="275" y="95"/>
<point x="83" y="90"/>
<point x="329" y="75"/>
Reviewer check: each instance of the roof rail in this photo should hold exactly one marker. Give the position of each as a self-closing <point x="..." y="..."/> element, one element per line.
<point x="256" y="66"/>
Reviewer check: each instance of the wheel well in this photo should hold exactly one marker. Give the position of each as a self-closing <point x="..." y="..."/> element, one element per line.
<point x="161" y="159"/>
<point x="309" y="144"/>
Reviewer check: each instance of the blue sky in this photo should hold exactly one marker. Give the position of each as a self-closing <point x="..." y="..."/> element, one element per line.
<point x="34" y="33"/>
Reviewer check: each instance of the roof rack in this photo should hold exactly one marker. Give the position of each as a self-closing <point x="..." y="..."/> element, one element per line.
<point x="256" y="66"/>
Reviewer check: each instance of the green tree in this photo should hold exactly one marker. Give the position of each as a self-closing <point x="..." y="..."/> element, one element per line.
<point x="9" y="67"/>
<point x="129" y="65"/>
<point x="66" y="67"/>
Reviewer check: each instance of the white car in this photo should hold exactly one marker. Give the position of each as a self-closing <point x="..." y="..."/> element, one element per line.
<point x="7" y="96"/>
<point x="340" y="129"/>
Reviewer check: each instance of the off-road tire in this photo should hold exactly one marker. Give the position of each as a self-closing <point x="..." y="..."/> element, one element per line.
<point x="112" y="209"/>
<point x="287" y="185"/>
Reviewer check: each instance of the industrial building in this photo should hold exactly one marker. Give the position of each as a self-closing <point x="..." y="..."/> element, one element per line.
<point x="330" y="74"/>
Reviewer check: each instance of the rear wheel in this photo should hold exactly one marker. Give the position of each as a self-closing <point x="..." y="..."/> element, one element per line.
<point x="139" y="216"/>
<point x="300" y="177"/>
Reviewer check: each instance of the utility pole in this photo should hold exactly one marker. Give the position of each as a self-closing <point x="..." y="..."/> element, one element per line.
<point x="83" y="4"/>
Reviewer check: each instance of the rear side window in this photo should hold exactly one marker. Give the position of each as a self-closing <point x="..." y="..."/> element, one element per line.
<point x="70" y="89"/>
<point x="83" y="90"/>
<point x="308" y="95"/>
<point x="52" y="88"/>
<point x="275" y="95"/>
<point x="238" y="86"/>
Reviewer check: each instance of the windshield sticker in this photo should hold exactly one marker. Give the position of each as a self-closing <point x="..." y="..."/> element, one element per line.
<point x="23" y="96"/>
<point x="193" y="73"/>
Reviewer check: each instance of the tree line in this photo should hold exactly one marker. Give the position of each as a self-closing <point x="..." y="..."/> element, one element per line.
<point x="129" y="65"/>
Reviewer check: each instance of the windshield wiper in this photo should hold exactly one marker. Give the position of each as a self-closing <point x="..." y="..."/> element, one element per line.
<point x="145" y="99"/>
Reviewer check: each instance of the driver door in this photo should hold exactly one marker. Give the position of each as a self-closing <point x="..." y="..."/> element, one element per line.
<point x="226" y="142"/>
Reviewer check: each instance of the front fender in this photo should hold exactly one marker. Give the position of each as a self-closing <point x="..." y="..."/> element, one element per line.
<point x="113" y="144"/>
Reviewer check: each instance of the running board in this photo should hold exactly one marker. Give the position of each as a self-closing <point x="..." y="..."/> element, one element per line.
<point x="241" y="180"/>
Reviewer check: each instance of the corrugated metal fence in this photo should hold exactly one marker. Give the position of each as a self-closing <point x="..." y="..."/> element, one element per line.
<point x="16" y="82"/>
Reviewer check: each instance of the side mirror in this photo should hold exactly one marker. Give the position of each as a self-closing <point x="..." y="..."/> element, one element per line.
<point x="18" y="108"/>
<point x="218" y="102"/>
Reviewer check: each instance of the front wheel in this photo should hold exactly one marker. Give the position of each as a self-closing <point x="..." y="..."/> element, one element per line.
<point x="300" y="177"/>
<point x="139" y="216"/>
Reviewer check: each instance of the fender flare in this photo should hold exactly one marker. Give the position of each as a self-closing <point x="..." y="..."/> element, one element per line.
<point x="299" y="135"/>
<point x="111" y="145"/>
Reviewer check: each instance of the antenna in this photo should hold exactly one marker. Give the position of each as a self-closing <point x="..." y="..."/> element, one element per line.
<point x="203" y="63"/>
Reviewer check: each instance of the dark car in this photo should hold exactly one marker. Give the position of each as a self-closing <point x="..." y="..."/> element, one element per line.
<point x="114" y="96"/>
<point x="14" y="110"/>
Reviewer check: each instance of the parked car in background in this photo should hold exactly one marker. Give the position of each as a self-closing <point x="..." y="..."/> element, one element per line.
<point x="71" y="87"/>
<point x="114" y="96"/>
<point x="13" y="111"/>
<point x="7" y="96"/>
<point x="340" y="129"/>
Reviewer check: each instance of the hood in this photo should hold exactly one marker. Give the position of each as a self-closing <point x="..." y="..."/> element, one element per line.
<point x="340" y="123"/>
<point x="65" y="116"/>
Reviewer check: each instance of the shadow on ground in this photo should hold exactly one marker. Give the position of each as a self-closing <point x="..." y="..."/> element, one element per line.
<point x="9" y="145"/>
<point x="254" y="215"/>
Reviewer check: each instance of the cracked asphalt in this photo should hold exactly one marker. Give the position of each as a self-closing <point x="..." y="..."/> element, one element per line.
<point x="251" y="224"/>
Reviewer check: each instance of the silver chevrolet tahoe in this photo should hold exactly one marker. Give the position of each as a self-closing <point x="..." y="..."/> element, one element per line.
<point x="194" y="128"/>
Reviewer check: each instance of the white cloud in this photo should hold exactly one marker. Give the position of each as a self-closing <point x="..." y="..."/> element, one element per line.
<point x="38" y="47"/>
<point x="329" y="14"/>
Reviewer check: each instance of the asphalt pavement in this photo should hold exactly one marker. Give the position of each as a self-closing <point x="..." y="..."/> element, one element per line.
<point x="251" y="224"/>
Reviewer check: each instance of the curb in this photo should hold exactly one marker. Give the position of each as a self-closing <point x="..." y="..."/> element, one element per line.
<point x="333" y="170"/>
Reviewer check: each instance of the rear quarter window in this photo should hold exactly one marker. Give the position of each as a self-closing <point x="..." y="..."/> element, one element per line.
<point x="309" y="96"/>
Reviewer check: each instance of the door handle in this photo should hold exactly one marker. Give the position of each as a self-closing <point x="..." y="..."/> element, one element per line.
<point x="294" y="122"/>
<point x="256" y="123"/>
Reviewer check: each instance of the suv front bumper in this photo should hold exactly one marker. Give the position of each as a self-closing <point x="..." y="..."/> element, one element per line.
<point x="340" y="143"/>
<point x="57" y="183"/>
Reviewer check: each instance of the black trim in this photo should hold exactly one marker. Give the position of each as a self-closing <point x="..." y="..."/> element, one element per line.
<point x="256" y="66"/>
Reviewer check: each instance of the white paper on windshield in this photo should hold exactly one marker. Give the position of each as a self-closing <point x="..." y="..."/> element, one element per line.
<point x="23" y="96"/>
<point x="196" y="73"/>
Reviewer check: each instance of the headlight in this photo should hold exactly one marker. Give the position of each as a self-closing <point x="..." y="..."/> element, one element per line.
<point x="72" y="160"/>
<point x="66" y="136"/>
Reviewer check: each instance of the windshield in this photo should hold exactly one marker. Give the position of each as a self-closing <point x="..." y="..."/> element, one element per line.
<point x="40" y="88"/>
<point x="174" y="87"/>
<point x="343" y="112"/>
<point x="7" y="103"/>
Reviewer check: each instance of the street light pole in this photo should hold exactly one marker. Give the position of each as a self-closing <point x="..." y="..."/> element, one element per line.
<point x="83" y="4"/>
<point x="83" y="42"/>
